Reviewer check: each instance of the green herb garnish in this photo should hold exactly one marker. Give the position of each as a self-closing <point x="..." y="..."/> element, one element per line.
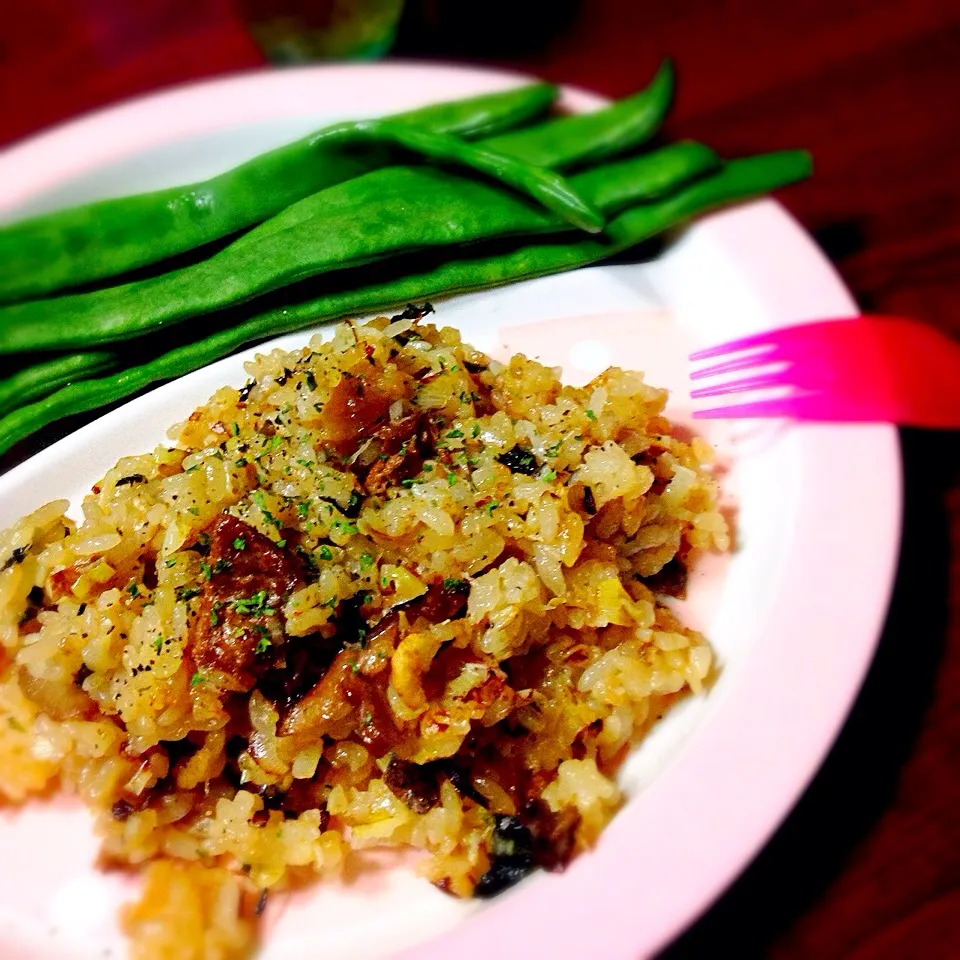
<point x="253" y="606"/>
<point x="258" y="499"/>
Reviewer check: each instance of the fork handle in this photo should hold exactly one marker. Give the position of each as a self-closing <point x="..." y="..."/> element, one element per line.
<point x="924" y="369"/>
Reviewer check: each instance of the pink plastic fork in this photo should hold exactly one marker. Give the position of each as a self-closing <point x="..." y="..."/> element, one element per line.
<point x="883" y="369"/>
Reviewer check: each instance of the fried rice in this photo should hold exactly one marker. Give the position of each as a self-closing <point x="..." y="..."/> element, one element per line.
<point x="390" y="592"/>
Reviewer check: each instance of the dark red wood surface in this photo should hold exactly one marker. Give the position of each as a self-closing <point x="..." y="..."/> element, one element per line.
<point x="868" y="865"/>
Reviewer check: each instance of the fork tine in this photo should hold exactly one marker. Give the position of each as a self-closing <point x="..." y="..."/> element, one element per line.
<point x="737" y="363"/>
<point x="761" y="339"/>
<point x="776" y="338"/>
<point x="781" y="407"/>
<point x="819" y="407"/>
<point x="737" y="386"/>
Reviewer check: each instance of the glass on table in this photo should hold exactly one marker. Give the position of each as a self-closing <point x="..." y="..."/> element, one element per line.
<point x="293" y="31"/>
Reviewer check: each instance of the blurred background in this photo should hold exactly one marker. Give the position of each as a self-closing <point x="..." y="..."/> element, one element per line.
<point x="868" y="866"/>
<point x="869" y="85"/>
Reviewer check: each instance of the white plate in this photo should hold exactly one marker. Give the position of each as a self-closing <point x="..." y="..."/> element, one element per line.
<point x="794" y="616"/>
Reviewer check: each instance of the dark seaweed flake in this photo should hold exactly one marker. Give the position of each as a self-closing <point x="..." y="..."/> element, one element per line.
<point x="261" y="902"/>
<point x="518" y="460"/>
<point x="81" y="675"/>
<point x="412" y="312"/>
<point x="352" y="510"/>
<point x="18" y="556"/>
<point x="511" y="856"/>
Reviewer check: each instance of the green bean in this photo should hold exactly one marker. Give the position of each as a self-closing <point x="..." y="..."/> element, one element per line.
<point x="652" y="176"/>
<point x="47" y="376"/>
<point x="619" y="184"/>
<point x="108" y="237"/>
<point x="483" y="116"/>
<point x="610" y="188"/>
<point x="376" y="215"/>
<point x="563" y="142"/>
<point x="560" y="143"/>
<point x="625" y="123"/>
<point x="737" y="180"/>
<point x="383" y="213"/>
<point x="357" y="221"/>
<point x="539" y="183"/>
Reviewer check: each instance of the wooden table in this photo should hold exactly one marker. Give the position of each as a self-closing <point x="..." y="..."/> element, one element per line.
<point x="868" y="865"/>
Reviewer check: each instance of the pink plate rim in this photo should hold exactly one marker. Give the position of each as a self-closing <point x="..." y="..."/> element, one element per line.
<point x="735" y="779"/>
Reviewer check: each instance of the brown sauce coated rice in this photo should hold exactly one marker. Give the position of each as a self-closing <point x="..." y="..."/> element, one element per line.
<point x="390" y="593"/>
